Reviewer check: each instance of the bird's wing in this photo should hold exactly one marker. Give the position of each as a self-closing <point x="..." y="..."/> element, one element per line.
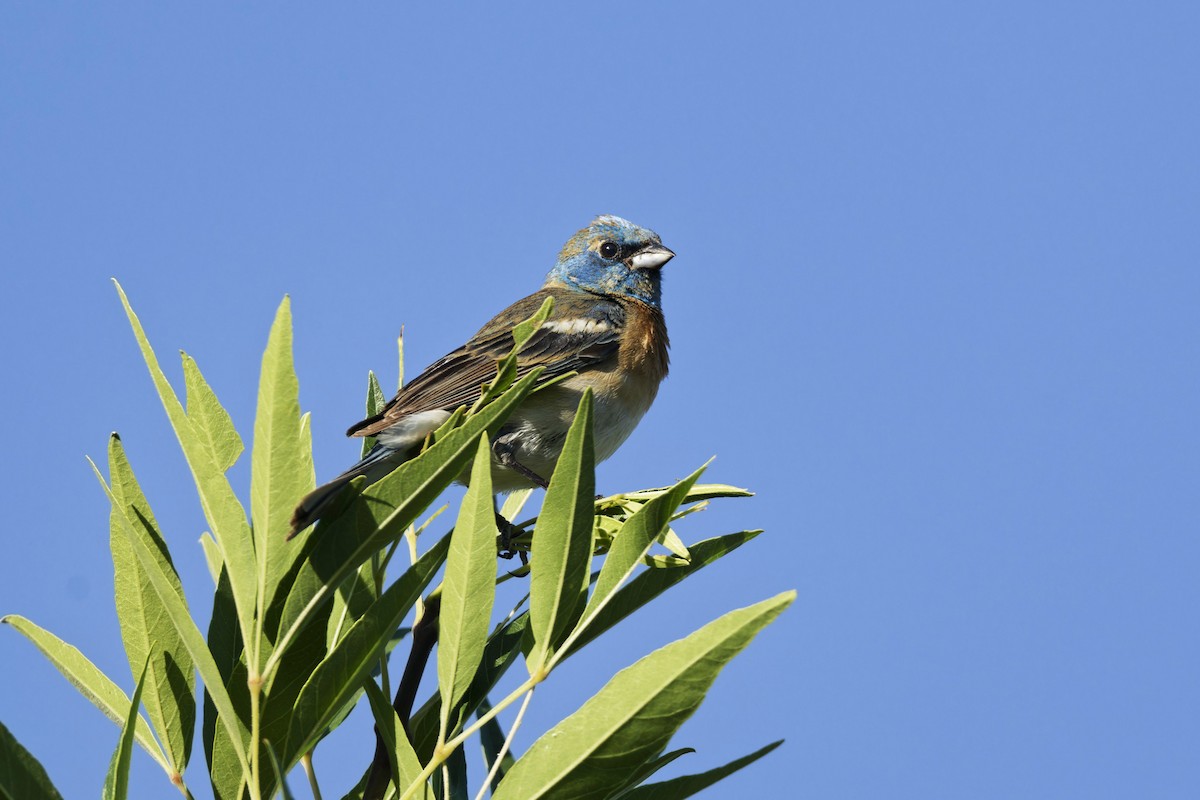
<point x="582" y="331"/>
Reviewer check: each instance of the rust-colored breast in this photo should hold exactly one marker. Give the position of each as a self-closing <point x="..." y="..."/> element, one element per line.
<point x="644" y="347"/>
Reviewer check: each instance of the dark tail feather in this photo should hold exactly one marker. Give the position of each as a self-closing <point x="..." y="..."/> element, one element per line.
<point x="377" y="463"/>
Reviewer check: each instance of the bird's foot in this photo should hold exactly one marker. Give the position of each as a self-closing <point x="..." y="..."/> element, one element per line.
<point x="508" y="532"/>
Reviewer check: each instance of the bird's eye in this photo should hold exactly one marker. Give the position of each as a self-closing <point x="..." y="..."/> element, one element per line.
<point x="609" y="250"/>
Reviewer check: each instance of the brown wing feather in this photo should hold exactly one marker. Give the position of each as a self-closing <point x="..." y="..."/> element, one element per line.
<point x="456" y="379"/>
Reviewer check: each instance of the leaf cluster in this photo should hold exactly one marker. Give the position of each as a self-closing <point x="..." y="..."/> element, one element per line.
<point x="301" y="630"/>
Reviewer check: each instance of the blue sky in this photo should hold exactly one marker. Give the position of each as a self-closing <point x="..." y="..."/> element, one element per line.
<point x="934" y="300"/>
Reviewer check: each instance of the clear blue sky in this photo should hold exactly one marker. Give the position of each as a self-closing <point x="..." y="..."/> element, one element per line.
<point x="935" y="300"/>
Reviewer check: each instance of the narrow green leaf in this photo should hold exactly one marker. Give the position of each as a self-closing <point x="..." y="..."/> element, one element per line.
<point x="148" y="635"/>
<point x="562" y="542"/>
<point x="225" y="515"/>
<point x="698" y="493"/>
<point x="646" y="770"/>
<point x="636" y="537"/>
<point x="513" y="504"/>
<point x="650" y="583"/>
<point x="211" y="422"/>
<point x="406" y="767"/>
<point x="469" y="587"/>
<point x="451" y="780"/>
<point x="501" y="651"/>
<point x="380" y="515"/>
<point x="506" y="370"/>
<point x="225" y="643"/>
<point x="672" y="542"/>
<point x="212" y="555"/>
<point x="89" y="680"/>
<point x="375" y="403"/>
<point x="22" y="776"/>
<point x="284" y="789"/>
<point x="343" y="671"/>
<point x="278" y="478"/>
<point x="635" y="714"/>
<point x="491" y="740"/>
<point x="350" y="602"/>
<point x="688" y="785"/>
<point x="116" y="784"/>
<point x="175" y="607"/>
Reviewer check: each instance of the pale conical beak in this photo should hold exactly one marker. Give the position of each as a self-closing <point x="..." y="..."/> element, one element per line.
<point x="651" y="257"/>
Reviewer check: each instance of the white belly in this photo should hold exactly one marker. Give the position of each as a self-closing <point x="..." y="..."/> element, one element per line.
<point x="539" y="426"/>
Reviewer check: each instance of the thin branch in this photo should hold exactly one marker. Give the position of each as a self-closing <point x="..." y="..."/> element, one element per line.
<point x="508" y="740"/>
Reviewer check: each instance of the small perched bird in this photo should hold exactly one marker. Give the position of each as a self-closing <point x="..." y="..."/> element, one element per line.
<point x="606" y="325"/>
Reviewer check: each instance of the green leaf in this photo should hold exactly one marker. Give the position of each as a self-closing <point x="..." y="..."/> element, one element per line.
<point x="343" y="671"/>
<point x="406" y="767"/>
<point x="225" y="515"/>
<point x="150" y="639"/>
<point x="562" y="543"/>
<point x="212" y="555"/>
<point x="469" y="587"/>
<point x="375" y="403"/>
<point x="116" y="784"/>
<point x="688" y="785"/>
<point x="502" y="649"/>
<point x="284" y="789"/>
<point x="506" y="370"/>
<point x="350" y="602"/>
<point x="211" y="422"/>
<point x="22" y="777"/>
<point x="633" y="542"/>
<point x="454" y="773"/>
<point x="513" y="504"/>
<point x="379" y="516"/>
<point x="225" y="644"/>
<point x="175" y="607"/>
<point x="278" y="477"/>
<point x="646" y="770"/>
<point x="698" y="493"/>
<point x="650" y="583"/>
<point x="88" y="679"/>
<point x="635" y="714"/>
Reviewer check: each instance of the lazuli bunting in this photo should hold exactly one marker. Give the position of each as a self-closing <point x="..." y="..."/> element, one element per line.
<point x="606" y="325"/>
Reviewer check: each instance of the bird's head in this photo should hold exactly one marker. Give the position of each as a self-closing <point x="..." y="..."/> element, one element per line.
<point x="613" y="256"/>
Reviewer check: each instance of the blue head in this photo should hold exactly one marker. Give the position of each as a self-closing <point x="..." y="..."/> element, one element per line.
<point x="613" y="256"/>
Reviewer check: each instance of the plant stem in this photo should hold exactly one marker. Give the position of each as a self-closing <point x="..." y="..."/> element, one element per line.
<point x="255" y="683"/>
<point x="444" y="752"/>
<point x="306" y="762"/>
<point x="508" y="740"/>
<point x="424" y="637"/>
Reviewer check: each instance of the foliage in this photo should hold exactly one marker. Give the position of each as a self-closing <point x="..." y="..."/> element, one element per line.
<point x="300" y="630"/>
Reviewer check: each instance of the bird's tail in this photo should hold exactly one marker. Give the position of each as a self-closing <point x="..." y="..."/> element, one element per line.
<point x="375" y="464"/>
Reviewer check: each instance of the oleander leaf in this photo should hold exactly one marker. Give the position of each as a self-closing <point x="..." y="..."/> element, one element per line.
<point x="562" y="543"/>
<point x="634" y="716"/>
<point x="22" y="777"/>
<point x="151" y="641"/>
<point x="86" y="677"/>
<point x="468" y="588"/>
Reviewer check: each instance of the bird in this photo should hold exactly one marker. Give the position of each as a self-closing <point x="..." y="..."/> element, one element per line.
<point x="607" y="326"/>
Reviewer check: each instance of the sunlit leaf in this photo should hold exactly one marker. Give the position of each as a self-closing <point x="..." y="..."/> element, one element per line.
<point x="634" y="716"/>
<point x="468" y="589"/>
<point x="116" y="784"/>
<point x="688" y="785"/>
<point x="343" y="671"/>
<point x="85" y="676"/>
<point x="562" y="544"/>
<point x="22" y="776"/>
<point x="225" y="515"/>
<point x="150" y="639"/>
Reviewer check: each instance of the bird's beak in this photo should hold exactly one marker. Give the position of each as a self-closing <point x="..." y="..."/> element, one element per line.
<point x="651" y="257"/>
